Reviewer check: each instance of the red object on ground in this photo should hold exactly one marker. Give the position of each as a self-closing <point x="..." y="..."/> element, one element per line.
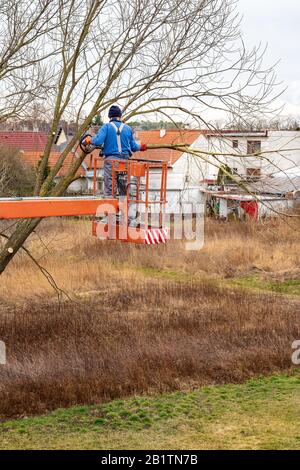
<point x="251" y="208"/>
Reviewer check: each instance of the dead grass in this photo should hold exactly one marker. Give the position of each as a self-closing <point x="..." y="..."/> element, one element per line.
<point x="80" y="263"/>
<point x="127" y="332"/>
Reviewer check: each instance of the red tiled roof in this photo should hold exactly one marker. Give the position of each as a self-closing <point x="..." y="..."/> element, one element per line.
<point x="89" y="160"/>
<point x="31" y="146"/>
<point x="172" y="136"/>
<point x="26" y="141"/>
<point x="32" y="158"/>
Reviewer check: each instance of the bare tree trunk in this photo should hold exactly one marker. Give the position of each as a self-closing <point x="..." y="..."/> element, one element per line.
<point x="15" y="242"/>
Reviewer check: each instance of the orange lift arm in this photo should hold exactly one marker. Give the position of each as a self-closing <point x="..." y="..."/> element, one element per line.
<point x="31" y="207"/>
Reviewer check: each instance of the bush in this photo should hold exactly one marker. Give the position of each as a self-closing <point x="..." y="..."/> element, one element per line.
<point x="16" y="177"/>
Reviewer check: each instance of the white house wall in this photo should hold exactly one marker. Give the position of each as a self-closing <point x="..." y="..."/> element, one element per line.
<point x="270" y="164"/>
<point x="78" y="186"/>
<point x="283" y="140"/>
<point x="271" y="208"/>
<point x="183" y="181"/>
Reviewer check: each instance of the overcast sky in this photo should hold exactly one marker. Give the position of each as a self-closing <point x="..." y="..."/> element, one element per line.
<point x="277" y="22"/>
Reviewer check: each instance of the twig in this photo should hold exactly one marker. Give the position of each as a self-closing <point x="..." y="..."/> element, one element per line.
<point x="59" y="292"/>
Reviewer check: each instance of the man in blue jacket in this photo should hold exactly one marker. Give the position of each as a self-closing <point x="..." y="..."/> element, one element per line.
<point x="117" y="142"/>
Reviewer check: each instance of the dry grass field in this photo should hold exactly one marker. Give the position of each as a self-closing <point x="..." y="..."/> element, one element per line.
<point x="146" y="319"/>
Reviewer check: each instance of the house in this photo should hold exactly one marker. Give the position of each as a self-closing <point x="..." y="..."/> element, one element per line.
<point x="190" y="177"/>
<point x="184" y="171"/>
<point x="280" y="152"/>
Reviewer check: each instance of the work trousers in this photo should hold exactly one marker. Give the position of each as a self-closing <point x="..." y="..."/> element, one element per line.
<point x="132" y="209"/>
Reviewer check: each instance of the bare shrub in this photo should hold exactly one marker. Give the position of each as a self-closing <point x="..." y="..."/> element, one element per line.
<point x="182" y="336"/>
<point x="138" y="335"/>
<point x="16" y="178"/>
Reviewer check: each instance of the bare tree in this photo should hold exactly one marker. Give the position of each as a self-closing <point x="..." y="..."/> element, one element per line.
<point x="24" y="75"/>
<point x="173" y="57"/>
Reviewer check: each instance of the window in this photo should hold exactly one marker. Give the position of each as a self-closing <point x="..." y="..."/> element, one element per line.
<point x="253" y="173"/>
<point x="253" y="146"/>
<point x="235" y="144"/>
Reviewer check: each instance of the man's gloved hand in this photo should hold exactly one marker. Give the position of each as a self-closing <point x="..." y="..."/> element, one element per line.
<point x="87" y="140"/>
<point x="143" y="147"/>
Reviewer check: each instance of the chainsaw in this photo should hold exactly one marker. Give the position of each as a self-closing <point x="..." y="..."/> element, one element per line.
<point x="88" y="148"/>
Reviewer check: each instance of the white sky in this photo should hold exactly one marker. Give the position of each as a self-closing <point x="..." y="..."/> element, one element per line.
<point x="277" y="23"/>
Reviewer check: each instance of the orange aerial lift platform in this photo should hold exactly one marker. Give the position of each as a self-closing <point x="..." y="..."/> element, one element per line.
<point x="133" y="177"/>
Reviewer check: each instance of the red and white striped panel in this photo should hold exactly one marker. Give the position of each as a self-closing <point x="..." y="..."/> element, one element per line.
<point x="154" y="236"/>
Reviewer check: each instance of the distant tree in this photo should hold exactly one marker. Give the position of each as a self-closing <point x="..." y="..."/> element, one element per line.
<point x="16" y="177"/>
<point x="97" y="120"/>
<point x="281" y="123"/>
